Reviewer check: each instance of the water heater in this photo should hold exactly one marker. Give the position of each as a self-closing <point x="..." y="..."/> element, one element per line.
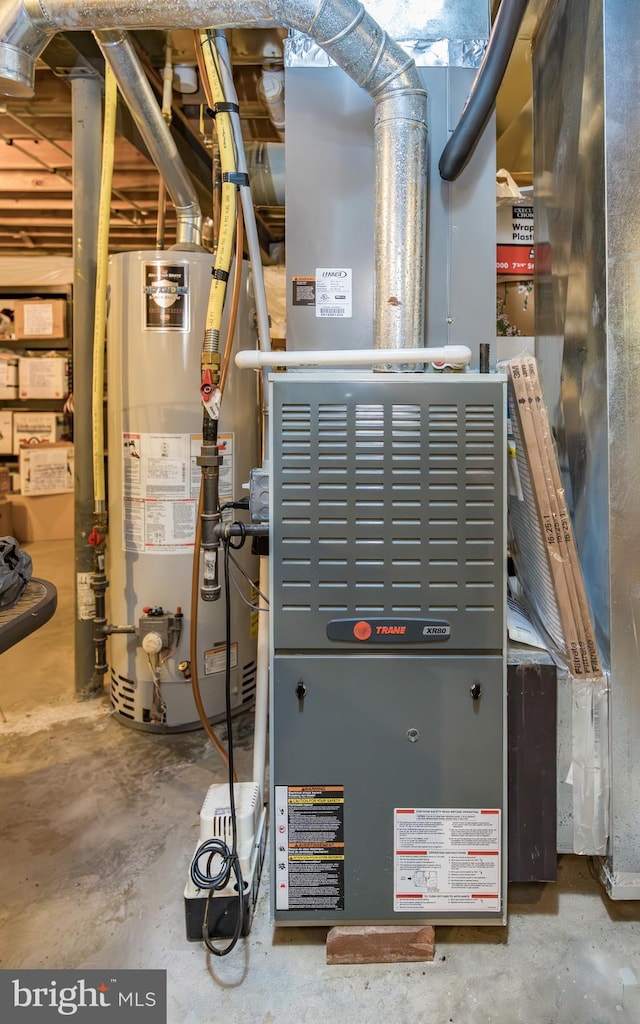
<point x="156" y="314"/>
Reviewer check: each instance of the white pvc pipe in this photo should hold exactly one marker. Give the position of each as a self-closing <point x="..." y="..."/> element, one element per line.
<point x="262" y="683"/>
<point x="450" y="355"/>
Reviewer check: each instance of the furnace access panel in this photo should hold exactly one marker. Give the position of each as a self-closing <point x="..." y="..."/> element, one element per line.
<point x="388" y="675"/>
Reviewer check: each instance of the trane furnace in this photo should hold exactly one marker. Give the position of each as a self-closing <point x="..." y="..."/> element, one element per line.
<point x="388" y="762"/>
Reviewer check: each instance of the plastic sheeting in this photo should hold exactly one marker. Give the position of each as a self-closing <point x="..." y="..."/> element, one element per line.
<point x="301" y="51"/>
<point x="583" y="782"/>
<point x="589" y="772"/>
<point x="35" y="270"/>
<point x="275" y="282"/>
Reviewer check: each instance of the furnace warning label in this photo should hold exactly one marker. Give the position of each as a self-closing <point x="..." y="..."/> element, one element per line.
<point x="309" y="847"/>
<point x="304" y="291"/>
<point x="447" y="860"/>
<point x="333" y="291"/>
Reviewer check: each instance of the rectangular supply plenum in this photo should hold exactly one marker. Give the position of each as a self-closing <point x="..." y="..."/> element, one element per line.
<point x="388" y="498"/>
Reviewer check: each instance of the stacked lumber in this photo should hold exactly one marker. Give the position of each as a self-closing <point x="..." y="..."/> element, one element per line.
<point x="545" y="549"/>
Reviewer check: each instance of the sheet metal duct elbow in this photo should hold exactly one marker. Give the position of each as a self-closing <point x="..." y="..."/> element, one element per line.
<point x="118" y="50"/>
<point x="23" y="36"/>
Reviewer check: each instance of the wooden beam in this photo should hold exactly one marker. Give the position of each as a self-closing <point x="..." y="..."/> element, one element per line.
<point x="25" y="181"/>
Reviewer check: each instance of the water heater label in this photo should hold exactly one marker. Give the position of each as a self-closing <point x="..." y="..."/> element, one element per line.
<point x="159" y="513"/>
<point x="333" y="291"/>
<point x="160" y="487"/>
<point x="447" y="859"/>
<point x="166" y="296"/>
<point x="309" y="847"/>
<point x="215" y="660"/>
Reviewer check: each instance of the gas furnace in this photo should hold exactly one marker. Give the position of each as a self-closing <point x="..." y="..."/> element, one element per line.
<point x="388" y="672"/>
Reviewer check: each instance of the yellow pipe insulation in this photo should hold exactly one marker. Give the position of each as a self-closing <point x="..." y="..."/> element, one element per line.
<point x="224" y="254"/>
<point x="106" y="179"/>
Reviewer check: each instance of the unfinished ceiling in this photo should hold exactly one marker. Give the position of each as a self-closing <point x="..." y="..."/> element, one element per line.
<point x="36" y="174"/>
<point x="514" y="109"/>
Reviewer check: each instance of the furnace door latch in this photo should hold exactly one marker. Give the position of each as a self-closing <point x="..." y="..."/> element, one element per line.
<point x="301" y="693"/>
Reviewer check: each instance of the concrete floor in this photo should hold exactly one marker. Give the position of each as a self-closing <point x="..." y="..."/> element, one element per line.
<point x="98" y="825"/>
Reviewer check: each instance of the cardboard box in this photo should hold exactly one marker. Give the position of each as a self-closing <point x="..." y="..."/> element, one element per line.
<point x="48" y="517"/>
<point x="40" y="318"/>
<point x="515" y="253"/>
<point x="6" y="518"/>
<point x="33" y="428"/>
<point x="46" y="469"/>
<point x="8" y="377"/>
<point x="6" y="432"/>
<point x="42" y="377"/>
<point x="515" y="308"/>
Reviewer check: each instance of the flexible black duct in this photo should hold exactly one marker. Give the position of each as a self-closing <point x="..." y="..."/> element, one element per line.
<point x="482" y="97"/>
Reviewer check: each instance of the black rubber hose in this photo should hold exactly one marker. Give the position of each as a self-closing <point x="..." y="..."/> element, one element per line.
<point x="482" y="97"/>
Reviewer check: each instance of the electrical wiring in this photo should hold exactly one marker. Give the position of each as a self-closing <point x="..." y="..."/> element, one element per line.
<point x="193" y="632"/>
<point x="215" y="847"/>
<point x="193" y="639"/>
<point x="249" y="580"/>
<point x="215" y="862"/>
<point x="157" y="705"/>
<point x="253" y="607"/>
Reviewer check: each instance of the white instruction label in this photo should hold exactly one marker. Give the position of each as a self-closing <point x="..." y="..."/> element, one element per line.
<point x="333" y="291"/>
<point x="215" y="660"/>
<point x="156" y="466"/>
<point x="159" y="513"/>
<point x="281" y="826"/>
<point x="38" y="318"/>
<point x="160" y="487"/>
<point x="447" y="859"/>
<point x="225" y="483"/>
<point x="85" y="597"/>
<point x="309" y="847"/>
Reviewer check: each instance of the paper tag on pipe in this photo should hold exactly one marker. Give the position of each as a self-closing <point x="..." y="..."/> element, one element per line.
<point x="213" y="404"/>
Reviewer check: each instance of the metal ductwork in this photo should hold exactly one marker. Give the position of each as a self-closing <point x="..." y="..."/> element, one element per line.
<point x="134" y="85"/>
<point x="357" y="44"/>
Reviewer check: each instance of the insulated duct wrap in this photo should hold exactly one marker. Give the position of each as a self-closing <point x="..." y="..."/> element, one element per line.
<point x="354" y="41"/>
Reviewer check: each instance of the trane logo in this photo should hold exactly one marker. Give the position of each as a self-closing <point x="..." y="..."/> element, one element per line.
<point x="411" y="631"/>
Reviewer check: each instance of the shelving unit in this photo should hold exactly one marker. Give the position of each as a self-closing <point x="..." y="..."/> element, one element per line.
<point x="61" y="345"/>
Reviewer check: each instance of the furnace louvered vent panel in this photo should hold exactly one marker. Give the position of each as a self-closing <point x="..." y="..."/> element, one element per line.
<point x="388" y="499"/>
